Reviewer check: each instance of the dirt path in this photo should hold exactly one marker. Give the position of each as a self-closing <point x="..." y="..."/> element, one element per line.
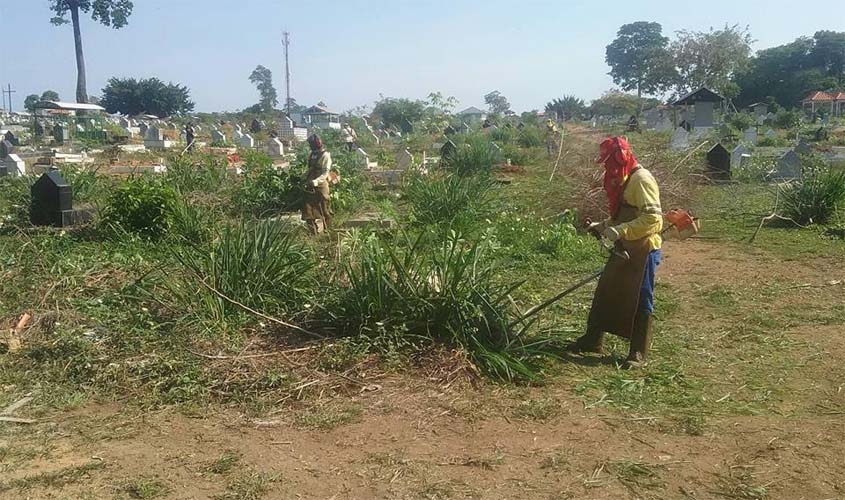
<point x="416" y="439"/>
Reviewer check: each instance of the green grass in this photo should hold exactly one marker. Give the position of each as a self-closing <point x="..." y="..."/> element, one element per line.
<point x="249" y="485"/>
<point x="145" y="488"/>
<point x="225" y="463"/>
<point x="53" y="479"/>
<point x="327" y="417"/>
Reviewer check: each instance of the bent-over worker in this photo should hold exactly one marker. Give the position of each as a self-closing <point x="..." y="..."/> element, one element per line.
<point x="317" y="200"/>
<point x="624" y="300"/>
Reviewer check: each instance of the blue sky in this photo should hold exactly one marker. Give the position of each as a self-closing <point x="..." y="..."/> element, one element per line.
<point x="348" y="52"/>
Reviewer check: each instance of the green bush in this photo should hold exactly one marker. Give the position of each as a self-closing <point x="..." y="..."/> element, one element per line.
<point x="525" y="237"/>
<point x="786" y="119"/>
<point x="259" y="264"/>
<point x="141" y="205"/>
<point x="476" y="156"/>
<point x="816" y="199"/>
<point x="501" y="134"/>
<point x="447" y="293"/>
<point x="266" y="189"/>
<point x="450" y="201"/>
<point x="198" y="172"/>
<point x="530" y="138"/>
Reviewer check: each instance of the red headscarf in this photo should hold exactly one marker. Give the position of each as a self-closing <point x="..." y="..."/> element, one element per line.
<point x="619" y="161"/>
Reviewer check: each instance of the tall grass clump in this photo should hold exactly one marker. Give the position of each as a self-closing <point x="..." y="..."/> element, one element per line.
<point x="450" y="200"/>
<point x="530" y="137"/>
<point x="816" y="198"/>
<point x="476" y="156"/>
<point x="258" y="264"/>
<point x="447" y="294"/>
<point x="198" y="172"/>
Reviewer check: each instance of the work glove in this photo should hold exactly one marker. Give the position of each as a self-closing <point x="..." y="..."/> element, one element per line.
<point x="594" y="229"/>
<point x="611" y="234"/>
<point x="315" y="183"/>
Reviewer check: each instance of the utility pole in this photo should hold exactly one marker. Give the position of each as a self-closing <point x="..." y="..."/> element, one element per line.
<point x="8" y="92"/>
<point x="286" y="44"/>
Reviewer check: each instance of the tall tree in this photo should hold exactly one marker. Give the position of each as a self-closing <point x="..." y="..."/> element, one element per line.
<point x="262" y="78"/>
<point x="30" y="102"/>
<point x="50" y="95"/>
<point x="497" y="103"/>
<point x="711" y="59"/>
<point x="151" y="96"/>
<point x="640" y="60"/>
<point x="829" y="53"/>
<point x="566" y="108"/>
<point x="113" y="13"/>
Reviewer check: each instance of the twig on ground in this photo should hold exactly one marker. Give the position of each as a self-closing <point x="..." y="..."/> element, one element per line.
<point x="12" y="408"/>
<point x="260" y="314"/>
<point x="687" y="157"/>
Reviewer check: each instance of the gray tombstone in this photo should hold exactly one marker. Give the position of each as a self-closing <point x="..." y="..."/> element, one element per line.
<point x="497" y="152"/>
<point x="750" y="136"/>
<point x="6" y="148"/>
<point x="124" y="123"/>
<point x="703" y="115"/>
<point x="803" y="147"/>
<point x="61" y="134"/>
<point x="218" y="137"/>
<point x="154" y="134"/>
<point x="739" y="156"/>
<point x="719" y="161"/>
<point x="12" y="165"/>
<point x="363" y="158"/>
<point x="246" y="141"/>
<point x="142" y="129"/>
<point x="466" y="129"/>
<point x="404" y="159"/>
<point x="680" y="139"/>
<point x="788" y="167"/>
<point x="275" y="148"/>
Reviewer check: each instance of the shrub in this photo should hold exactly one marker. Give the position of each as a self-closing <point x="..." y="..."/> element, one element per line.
<point x="501" y="134"/>
<point x="259" y="264"/>
<point x="266" y="189"/>
<point x="816" y="198"/>
<point x="450" y="200"/>
<point x="474" y="157"/>
<point x="526" y="237"/>
<point x="516" y="155"/>
<point x="786" y="119"/>
<point x="530" y="138"/>
<point x="141" y="205"/>
<point x="447" y="294"/>
<point x="205" y="173"/>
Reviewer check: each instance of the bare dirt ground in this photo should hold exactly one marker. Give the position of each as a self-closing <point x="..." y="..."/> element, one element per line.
<point x="409" y="437"/>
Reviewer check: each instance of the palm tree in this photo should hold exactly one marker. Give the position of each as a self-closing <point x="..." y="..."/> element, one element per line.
<point x="566" y="108"/>
<point x="114" y="13"/>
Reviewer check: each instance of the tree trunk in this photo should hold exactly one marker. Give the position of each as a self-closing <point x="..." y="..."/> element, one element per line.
<point x="81" y="90"/>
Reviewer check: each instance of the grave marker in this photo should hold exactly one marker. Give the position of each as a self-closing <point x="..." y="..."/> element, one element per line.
<point x="275" y="148"/>
<point x="448" y="148"/>
<point x="218" y="137"/>
<point x="52" y="201"/>
<point x="680" y="139"/>
<point x="750" y="136"/>
<point x="404" y="159"/>
<point x="739" y="155"/>
<point x="788" y="167"/>
<point x="719" y="161"/>
<point x="246" y="141"/>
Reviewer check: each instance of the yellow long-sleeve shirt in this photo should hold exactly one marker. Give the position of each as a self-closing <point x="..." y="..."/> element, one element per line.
<point x="643" y="193"/>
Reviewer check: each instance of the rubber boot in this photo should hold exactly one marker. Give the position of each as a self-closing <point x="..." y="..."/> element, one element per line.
<point x="640" y="341"/>
<point x="592" y="341"/>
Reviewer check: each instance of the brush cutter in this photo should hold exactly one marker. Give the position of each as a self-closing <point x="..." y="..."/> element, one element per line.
<point x="681" y="221"/>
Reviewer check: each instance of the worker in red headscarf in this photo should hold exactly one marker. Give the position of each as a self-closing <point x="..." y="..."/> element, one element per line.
<point x="316" y="205"/>
<point x="624" y="300"/>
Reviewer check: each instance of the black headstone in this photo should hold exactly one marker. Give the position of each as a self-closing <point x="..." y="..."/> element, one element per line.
<point x="255" y="126"/>
<point x="6" y="148"/>
<point x="447" y="149"/>
<point x="821" y="134"/>
<point x="11" y="138"/>
<point x="39" y="129"/>
<point x="450" y="130"/>
<point x="52" y="201"/>
<point x="719" y="161"/>
<point x="60" y="133"/>
<point x="4" y="170"/>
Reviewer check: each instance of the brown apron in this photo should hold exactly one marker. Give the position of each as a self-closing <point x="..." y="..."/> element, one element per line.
<point x="617" y="296"/>
<point x="316" y="202"/>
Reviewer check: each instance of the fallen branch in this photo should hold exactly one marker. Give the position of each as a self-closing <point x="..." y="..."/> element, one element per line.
<point x="249" y="356"/>
<point x="260" y="314"/>
<point x="16" y="420"/>
<point x="773" y="216"/>
<point x="687" y="157"/>
<point x="12" y="408"/>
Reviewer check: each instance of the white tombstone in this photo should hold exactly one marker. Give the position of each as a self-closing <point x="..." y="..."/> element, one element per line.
<point x="246" y="141"/>
<point x="404" y="159"/>
<point x="275" y="148"/>
<point x="750" y="136"/>
<point x="14" y="165"/>
<point x="739" y="155"/>
<point x="680" y="139"/>
<point x="363" y="158"/>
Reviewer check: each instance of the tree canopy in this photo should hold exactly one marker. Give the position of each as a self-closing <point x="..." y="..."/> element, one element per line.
<point x="497" y="103"/>
<point x="262" y="78"/>
<point x="113" y="13"/>
<point x="394" y="112"/>
<point x="640" y="59"/>
<point x="618" y="103"/>
<point x="711" y="59"/>
<point x="149" y="96"/>
<point x="50" y="95"/>
<point x="787" y="73"/>
<point x="566" y="108"/>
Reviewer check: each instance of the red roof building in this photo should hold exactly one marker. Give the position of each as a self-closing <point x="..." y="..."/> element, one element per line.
<point x="822" y="100"/>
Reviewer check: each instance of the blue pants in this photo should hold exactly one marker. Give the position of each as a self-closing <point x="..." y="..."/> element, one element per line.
<point x="647" y="289"/>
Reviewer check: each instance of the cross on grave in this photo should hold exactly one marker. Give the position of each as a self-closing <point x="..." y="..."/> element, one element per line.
<point x="788" y="166"/>
<point x="719" y="161"/>
<point x="448" y="148"/>
<point x="738" y="156"/>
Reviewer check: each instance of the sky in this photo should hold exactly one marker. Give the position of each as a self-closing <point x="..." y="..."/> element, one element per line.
<point x="348" y="53"/>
